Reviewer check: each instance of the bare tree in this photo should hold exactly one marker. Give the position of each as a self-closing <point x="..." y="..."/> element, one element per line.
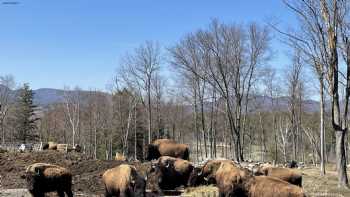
<point x="72" y="101"/>
<point x="7" y="83"/>
<point x="294" y="77"/>
<point x="139" y="70"/>
<point x="324" y="22"/>
<point x="228" y="57"/>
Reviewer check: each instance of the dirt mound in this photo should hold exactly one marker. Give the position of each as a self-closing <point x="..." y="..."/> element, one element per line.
<point x="87" y="173"/>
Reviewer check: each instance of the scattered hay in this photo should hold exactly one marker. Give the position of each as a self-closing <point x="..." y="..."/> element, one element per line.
<point x="203" y="191"/>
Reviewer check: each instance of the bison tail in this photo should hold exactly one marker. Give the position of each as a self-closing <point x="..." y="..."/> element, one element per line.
<point x="186" y="154"/>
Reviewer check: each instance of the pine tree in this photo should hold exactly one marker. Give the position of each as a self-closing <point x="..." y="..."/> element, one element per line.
<point x="25" y="117"/>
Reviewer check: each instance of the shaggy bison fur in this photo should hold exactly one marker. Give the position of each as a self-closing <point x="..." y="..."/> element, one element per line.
<point x="124" y="181"/>
<point x="265" y="186"/>
<point x="229" y="179"/>
<point x="205" y="175"/>
<point x="286" y="174"/>
<point x="167" y="147"/>
<point x="172" y="172"/>
<point x="42" y="178"/>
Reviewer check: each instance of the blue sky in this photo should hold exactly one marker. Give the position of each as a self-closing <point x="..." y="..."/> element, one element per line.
<point x="52" y="43"/>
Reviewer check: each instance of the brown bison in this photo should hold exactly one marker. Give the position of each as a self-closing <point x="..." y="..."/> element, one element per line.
<point x="229" y="179"/>
<point x="167" y="147"/>
<point x="161" y="141"/>
<point x="233" y="181"/>
<point x="50" y="146"/>
<point x="265" y="186"/>
<point x="124" y="181"/>
<point x="286" y="174"/>
<point x="42" y="178"/>
<point x="172" y="172"/>
<point x="119" y="157"/>
<point x="206" y="174"/>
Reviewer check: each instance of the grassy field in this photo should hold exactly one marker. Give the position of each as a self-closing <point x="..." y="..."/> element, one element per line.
<point x="316" y="185"/>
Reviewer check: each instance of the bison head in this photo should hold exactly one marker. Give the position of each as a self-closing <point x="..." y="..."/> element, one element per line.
<point x="196" y="177"/>
<point x="152" y="152"/>
<point x="139" y="186"/>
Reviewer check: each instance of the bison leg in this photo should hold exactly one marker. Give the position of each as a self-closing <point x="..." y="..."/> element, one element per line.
<point x="69" y="193"/>
<point x="107" y="194"/>
<point x="37" y="194"/>
<point x="60" y="193"/>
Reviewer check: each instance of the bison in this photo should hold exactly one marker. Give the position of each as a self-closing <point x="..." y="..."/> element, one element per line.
<point x="206" y="174"/>
<point x="42" y="178"/>
<point x="50" y="146"/>
<point x="119" y="157"/>
<point x="233" y="181"/>
<point x="292" y="164"/>
<point x="167" y="147"/>
<point x="124" y="181"/>
<point x="172" y="172"/>
<point x="265" y="186"/>
<point x="229" y="179"/>
<point x="292" y="176"/>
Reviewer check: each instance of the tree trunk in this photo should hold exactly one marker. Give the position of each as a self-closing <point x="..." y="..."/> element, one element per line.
<point x="341" y="158"/>
<point x="149" y="111"/>
<point x="135" y="132"/>
<point x="322" y="129"/>
<point x="95" y="143"/>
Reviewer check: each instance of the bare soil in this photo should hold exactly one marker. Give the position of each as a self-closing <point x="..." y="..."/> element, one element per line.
<point x="87" y="173"/>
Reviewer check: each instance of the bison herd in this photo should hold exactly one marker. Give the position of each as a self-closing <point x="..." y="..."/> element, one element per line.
<point x="172" y="169"/>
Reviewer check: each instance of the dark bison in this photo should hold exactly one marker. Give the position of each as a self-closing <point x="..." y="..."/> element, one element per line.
<point x="50" y="146"/>
<point x="205" y="175"/>
<point x="265" y="186"/>
<point x="172" y="172"/>
<point x="286" y="174"/>
<point x="42" y="178"/>
<point x="167" y="147"/>
<point x="124" y="181"/>
<point x="292" y="164"/>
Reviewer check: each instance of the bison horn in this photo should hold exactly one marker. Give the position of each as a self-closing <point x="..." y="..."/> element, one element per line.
<point x="37" y="171"/>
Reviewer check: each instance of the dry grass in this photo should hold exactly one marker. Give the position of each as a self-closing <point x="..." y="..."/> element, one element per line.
<point x="316" y="185"/>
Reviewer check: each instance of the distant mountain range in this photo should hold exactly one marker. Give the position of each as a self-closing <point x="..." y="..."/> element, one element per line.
<point x="47" y="96"/>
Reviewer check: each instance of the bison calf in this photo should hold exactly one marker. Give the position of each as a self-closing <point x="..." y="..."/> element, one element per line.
<point x="124" y="181"/>
<point x="42" y="178"/>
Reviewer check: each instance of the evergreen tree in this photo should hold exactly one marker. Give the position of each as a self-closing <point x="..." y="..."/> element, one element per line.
<point x="25" y="116"/>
